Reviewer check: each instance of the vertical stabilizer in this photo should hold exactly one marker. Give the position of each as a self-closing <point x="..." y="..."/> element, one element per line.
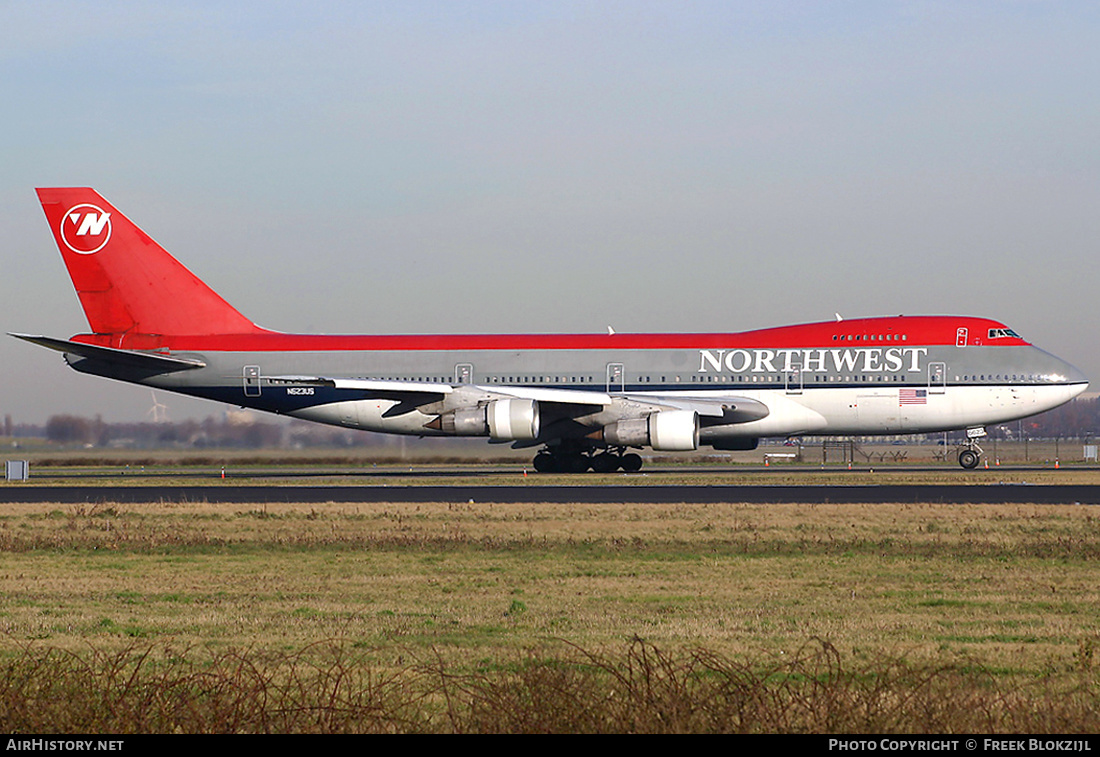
<point x="131" y="288"/>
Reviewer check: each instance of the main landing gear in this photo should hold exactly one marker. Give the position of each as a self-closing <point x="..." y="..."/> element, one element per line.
<point x="570" y="459"/>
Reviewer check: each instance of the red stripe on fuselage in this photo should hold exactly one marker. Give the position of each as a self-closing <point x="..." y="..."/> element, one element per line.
<point x="902" y="330"/>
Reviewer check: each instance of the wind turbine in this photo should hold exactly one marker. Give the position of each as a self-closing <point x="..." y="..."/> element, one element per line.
<point x="158" y="412"/>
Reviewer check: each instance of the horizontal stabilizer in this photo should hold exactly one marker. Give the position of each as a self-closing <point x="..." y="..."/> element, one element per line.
<point x="129" y="358"/>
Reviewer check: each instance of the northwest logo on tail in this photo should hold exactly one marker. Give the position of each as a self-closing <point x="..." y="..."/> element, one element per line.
<point x="85" y="228"/>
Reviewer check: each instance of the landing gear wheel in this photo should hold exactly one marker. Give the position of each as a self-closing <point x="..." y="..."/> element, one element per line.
<point x="545" y="463"/>
<point x="575" y="464"/>
<point x="605" y="463"/>
<point x="561" y="461"/>
<point x="968" y="459"/>
<point x="579" y="460"/>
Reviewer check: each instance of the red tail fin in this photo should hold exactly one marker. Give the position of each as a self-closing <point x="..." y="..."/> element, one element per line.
<point x="130" y="287"/>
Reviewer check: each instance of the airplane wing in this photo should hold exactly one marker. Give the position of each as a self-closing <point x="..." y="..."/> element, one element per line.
<point x="728" y="409"/>
<point x="380" y="387"/>
<point x="400" y="389"/>
<point x="558" y="396"/>
<point x="150" y="361"/>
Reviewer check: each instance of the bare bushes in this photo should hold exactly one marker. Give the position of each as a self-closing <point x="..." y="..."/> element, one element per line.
<point x="332" y="688"/>
<point x="319" y="690"/>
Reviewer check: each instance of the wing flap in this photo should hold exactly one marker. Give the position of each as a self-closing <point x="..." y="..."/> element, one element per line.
<point x="729" y="409"/>
<point x="558" y="396"/>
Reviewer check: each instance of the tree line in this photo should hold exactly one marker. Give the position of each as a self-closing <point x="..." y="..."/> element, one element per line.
<point x="1079" y="419"/>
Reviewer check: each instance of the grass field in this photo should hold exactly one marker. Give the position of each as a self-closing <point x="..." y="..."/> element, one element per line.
<point x="445" y="617"/>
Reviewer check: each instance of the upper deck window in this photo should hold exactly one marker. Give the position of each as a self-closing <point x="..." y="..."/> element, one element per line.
<point x="887" y="337"/>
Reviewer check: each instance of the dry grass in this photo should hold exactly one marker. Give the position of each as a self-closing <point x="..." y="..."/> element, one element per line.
<point x="986" y="614"/>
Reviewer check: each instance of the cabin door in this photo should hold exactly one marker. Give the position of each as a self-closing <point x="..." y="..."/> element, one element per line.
<point x="616" y="377"/>
<point x="252" y="381"/>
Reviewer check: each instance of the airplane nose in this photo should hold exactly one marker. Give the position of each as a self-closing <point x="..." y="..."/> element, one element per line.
<point x="1067" y="373"/>
<point x="1078" y="379"/>
<point x="1054" y="370"/>
<point x="1068" y="376"/>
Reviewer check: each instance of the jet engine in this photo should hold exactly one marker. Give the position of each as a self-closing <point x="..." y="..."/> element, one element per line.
<point x="665" y="431"/>
<point x="507" y="420"/>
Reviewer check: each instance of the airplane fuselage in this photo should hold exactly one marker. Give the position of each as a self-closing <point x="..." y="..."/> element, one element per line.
<point x="868" y="376"/>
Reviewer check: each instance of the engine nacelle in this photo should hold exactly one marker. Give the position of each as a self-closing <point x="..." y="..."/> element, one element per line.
<point x="665" y="431"/>
<point x="466" y="421"/>
<point x="735" y="443"/>
<point x="674" y="430"/>
<point x="513" y="420"/>
<point x="631" y="433"/>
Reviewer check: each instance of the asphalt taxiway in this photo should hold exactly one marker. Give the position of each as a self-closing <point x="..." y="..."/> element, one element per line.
<point x="1079" y="494"/>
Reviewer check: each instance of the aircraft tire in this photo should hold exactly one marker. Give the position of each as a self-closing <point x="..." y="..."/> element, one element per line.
<point x="605" y="463"/>
<point x="577" y="464"/>
<point x="631" y="462"/>
<point x="545" y="463"/>
<point x="968" y="459"/>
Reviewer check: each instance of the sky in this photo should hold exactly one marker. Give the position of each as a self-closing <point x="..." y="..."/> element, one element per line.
<point x="527" y="166"/>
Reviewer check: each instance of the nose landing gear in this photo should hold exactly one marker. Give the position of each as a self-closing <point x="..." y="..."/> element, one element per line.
<point x="971" y="455"/>
<point x="969" y="458"/>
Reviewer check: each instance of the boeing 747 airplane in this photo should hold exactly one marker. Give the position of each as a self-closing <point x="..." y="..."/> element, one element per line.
<point x="586" y="400"/>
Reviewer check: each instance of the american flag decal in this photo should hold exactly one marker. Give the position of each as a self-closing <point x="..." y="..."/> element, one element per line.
<point x="912" y="397"/>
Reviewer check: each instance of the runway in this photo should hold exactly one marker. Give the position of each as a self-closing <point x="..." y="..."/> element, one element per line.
<point x="1048" y="494"/>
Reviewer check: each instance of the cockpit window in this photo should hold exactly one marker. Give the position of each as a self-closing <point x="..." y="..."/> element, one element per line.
<point x="1001" y="333"/>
